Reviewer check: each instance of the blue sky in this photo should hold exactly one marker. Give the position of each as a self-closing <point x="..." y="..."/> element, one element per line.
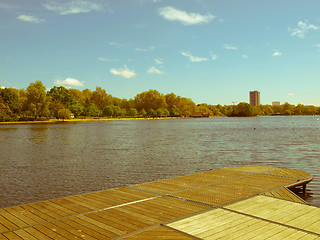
<point x="211" y="51"/>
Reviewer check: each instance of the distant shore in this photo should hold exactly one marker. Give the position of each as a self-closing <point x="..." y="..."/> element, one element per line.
<point x="52" y="121"/>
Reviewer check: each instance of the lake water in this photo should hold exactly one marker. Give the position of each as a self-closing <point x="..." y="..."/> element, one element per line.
<point x="44" y="161"/>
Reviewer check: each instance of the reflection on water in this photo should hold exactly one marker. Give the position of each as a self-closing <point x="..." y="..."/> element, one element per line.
<point x="44" y="161"/>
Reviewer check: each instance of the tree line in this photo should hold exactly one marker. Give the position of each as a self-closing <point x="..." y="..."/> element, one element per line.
<point x="247" y="110"/>
<point x="36" y="103"/>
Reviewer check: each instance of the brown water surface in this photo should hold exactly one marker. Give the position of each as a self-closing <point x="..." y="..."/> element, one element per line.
<point x="44" y="161"/>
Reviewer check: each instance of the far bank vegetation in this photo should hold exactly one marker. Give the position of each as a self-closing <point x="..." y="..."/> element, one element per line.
<point x="36" y="103"/>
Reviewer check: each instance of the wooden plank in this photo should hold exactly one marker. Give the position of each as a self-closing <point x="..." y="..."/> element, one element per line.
<point x="55" y="229"/>
<point x="84" y="230"/>
<point x="103" y="224"/>
<point x="11" y="236"/>
<point x="8" y="225"/>
<point x="3" y="228"/>
<point x="20" y="213"/>
<point x="24" y="235"/>
<point x="16" y="221"/>
<point x="156" y="233"/>
<point x="73" y="206"/>
<point x="252" y="169"/>
<point x="70" y="231"/>
<point x="37" y="234"/>
<point x="186" y="223"/>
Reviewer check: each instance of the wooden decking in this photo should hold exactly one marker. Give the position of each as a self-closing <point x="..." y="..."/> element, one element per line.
<point x="242" y="203"/>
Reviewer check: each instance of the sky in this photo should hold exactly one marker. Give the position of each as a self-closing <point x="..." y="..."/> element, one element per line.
<point x="211" y="51"/>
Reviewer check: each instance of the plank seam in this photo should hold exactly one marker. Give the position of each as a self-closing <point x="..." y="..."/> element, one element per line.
<point x="270" y="221"/>
<point x="80" y="214"/>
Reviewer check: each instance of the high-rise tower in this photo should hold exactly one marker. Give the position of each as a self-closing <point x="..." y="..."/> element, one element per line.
<point x="254" y="98"/>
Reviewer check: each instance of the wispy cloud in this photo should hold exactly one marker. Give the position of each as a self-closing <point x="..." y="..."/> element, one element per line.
<point x="229" y="47"/>
<point x="277" y="54"/>
<point x="102" y="59"/>
<point x="124" y="72"/>
<point x="149" y="49"/>
<point x="154" y="70"/>
<point x="73" y="7"/>
<point x="173" y="14"/>
<point x="317" y="46"/>
<point x="193" y="58"/>
<point x="158" y="61"/>
<point x="214" y="56"/>
<point x="302" y="29"/>
<point x="116" y="44"/>
<point x="291" y="94"/>
<point x="69" y="82"/>
<point x="245" y="56"/>
<point x="31" y="19"/>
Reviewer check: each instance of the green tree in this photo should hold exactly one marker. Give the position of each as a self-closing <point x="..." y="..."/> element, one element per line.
<point x="37" y="101"/>
<point x="151" y="99"/>
<point x="55" y="106"/>
<point x="242" y="110"/>
<point x="143" y="113"/>
<point x="108" y="111"/>
<point x="62" y="94"/>
<point x="174" y="112"/>
<point x="64" y="113"/>
<point x="10" y="99"/>
<point x="187" y="106"/>
<point x="76" y="108"/>
<point x="93" y="111"/>
<point x="133" y="112"/>
<point x="152" y="113"/>
<point x="160" y="112"/>
<point x="100" y="98"/>
<point x="166" y="112"/>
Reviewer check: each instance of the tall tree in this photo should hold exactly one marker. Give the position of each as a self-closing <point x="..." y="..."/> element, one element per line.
<point x="10" y="98"/>
<point x="100" y="98"/>
<point x="37" y="102"/>
<point x="62" y="94"/>
<point x="151" y="99"/>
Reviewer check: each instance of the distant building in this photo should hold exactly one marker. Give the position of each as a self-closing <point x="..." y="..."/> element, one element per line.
<point x="275" y="103"/>
<point x="255" y="98"/>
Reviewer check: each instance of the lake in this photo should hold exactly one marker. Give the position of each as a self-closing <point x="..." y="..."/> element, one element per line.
<point x="45" y="161"/>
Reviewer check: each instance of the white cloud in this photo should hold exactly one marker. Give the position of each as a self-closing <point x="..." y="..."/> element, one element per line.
<point x="277" y="53"/>
<point x="149" y="49"/>
<point x="214" y="56"/>
<point x="158" y="61"/>
<point x="154" y="70"/>
<point x="229" y="47"/>
<point x="102" y="59"/>
<point x="193" y="58"/>
<point x="73" y="7"/>
<point x="302" y="29"/>
<point x="69" y="82"/>
<point x="29" y="18"/>
<point x="172" y="14"/>
<point x="124" y="72"/>
<point x="116" y="44"/>
<point x="317" y="46"/>
<point x="291" y="94"/>
<point x="245" y="56"/>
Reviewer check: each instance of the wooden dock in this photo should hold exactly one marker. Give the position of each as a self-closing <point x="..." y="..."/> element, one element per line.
<point x="229" y="203"/>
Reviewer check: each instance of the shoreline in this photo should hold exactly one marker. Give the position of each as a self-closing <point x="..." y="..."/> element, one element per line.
<point x="53" y="121"/>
